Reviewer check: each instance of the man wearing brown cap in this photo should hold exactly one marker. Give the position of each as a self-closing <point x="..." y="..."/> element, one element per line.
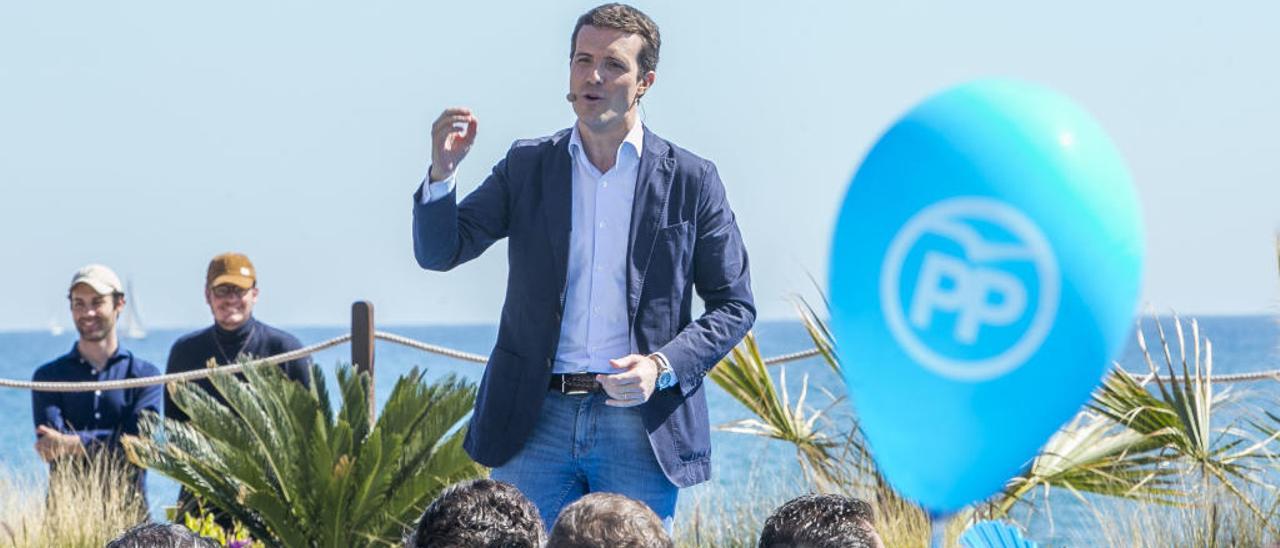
<point x="69" y="424"/>
<point x="231" y="289"/>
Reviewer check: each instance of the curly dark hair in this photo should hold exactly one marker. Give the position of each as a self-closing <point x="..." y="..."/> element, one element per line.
<point x="161" y="535"/>
<point x="480" y="513"/>
<point x="608" y="519"/>
<point x="820" y="521"/>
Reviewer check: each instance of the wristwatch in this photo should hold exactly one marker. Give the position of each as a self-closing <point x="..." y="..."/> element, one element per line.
<point x="666" y="376"/>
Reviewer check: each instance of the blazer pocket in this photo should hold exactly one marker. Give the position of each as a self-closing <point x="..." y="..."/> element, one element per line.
<point x="672" y="254"/>
<point x="675" y="239"/>
<point x="671" y="272"/>
<point x="680" y="226"/>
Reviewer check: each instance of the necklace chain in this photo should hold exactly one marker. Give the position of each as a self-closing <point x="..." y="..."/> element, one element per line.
<point x="253" y="330"/>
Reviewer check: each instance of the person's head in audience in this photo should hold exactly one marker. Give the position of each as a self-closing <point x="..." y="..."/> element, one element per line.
<point x="600" y="520"/>
<point x="821" y="521"/>
<point x="480" y="513"/>
<point x="161" y="535"/>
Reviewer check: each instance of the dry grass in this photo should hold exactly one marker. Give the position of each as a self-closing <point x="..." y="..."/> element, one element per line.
<point x="1214" y="519"/>
<point x="83" y="504"/>
<point x="734" y="516"/>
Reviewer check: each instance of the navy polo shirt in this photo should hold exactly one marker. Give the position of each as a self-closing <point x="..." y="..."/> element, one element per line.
<point x="99" y="417"/>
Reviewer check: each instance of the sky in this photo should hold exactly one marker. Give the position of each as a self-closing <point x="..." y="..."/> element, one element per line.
<point x="150" y="135"/>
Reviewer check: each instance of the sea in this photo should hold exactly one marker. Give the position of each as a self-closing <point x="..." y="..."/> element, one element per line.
<point x="746" y="468"/>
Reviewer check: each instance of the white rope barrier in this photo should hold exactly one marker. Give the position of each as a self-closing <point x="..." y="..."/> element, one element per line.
<point x="449" y="353"/>
<point x="794" y="356"/>
<point x="1273" y="374"/>
<point x="89" y="386"/>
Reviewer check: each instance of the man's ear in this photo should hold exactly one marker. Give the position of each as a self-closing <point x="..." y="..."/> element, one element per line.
<point x="646" y="82"/>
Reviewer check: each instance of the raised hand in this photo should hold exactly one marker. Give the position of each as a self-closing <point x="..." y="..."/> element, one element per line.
<point x="633" y="384"/>
<point x="452" y="135"/>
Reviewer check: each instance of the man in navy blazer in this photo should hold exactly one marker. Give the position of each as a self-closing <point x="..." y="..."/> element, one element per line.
<point x="595" y="382"/>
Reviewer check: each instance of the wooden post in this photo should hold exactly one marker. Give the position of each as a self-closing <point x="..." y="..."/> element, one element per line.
<point x="362" y="347"/>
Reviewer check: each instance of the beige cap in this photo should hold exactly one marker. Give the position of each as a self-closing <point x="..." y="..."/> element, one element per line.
<point x="231" y="268"/>
<point x="98" y="277"/>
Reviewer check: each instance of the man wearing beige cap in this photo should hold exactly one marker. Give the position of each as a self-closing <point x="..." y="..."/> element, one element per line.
<point x="84" y="423"/>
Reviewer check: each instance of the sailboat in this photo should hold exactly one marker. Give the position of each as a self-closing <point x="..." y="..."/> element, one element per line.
<point x="56" y="329"/>
<point x="130" y="320"/>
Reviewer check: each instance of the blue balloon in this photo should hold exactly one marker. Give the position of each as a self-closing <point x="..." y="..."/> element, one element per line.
<point x="985" y="269"/>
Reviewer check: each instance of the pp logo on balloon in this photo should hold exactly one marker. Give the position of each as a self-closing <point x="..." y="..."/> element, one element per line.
<point x="969" y="288"/>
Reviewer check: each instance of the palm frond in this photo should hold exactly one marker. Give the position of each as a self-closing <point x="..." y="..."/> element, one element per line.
<point x="1179" y="414"/>
<point x="1093" y="454"/>
<point x="818" y="331"/>
<point x="744" y="376"/>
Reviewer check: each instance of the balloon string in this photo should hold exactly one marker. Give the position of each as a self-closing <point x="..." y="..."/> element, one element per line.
<point x="937" y="530"/>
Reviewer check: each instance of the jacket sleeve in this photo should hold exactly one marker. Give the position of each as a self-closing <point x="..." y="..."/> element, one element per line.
<point x="447" y="233"/>
<point x="46" y="407"/>
<point x="722" y="279"/>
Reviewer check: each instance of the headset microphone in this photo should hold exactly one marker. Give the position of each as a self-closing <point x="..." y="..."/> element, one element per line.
<point x="571" y="97"/>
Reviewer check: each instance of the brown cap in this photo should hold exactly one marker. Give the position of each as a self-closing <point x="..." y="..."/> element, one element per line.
<point x="100" y="278"/>
<point x="231" y="268"/>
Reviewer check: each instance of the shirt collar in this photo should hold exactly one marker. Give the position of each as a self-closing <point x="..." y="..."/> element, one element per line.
<point x="119" y="354"/>
<point x="634" y="138"/>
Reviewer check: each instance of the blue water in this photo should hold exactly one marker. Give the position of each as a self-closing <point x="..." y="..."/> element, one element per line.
<point x="740" y="462"/>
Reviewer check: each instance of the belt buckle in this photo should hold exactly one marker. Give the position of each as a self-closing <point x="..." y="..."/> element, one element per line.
<point x="565" y="390"/>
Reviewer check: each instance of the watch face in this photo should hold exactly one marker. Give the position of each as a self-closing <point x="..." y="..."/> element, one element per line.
<point x="666" y="379"/>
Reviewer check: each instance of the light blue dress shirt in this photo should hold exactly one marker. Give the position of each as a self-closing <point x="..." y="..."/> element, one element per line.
<point x="594" y="326"/>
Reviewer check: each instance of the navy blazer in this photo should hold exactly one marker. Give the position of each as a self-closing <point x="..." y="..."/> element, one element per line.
<point x="683" y="238"/>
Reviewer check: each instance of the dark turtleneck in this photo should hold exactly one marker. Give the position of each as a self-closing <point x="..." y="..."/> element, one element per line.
<point x="252" y="339"/>
<point x="230" y="342"/>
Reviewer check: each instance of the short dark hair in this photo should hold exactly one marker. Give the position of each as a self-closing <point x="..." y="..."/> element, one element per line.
<point x="820" y="521"/>
<point x="627" y="19"/>
<point x="608" y="519"/>
<point x="479" y="513"/>
<point x="161" y="535"/>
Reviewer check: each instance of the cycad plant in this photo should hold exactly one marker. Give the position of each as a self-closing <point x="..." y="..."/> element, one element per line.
<point x="280" y="461"/>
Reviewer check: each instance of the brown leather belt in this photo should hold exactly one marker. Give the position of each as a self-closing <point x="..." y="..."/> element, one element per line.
<point x="574" y="383"/>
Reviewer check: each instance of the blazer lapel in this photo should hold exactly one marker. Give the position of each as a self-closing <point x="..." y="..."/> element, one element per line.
<point x="557" y="198"/>
<point x="653" y="186"/>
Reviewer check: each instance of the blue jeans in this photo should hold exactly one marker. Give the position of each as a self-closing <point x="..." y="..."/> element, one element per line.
<point x="579" y="446"/>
